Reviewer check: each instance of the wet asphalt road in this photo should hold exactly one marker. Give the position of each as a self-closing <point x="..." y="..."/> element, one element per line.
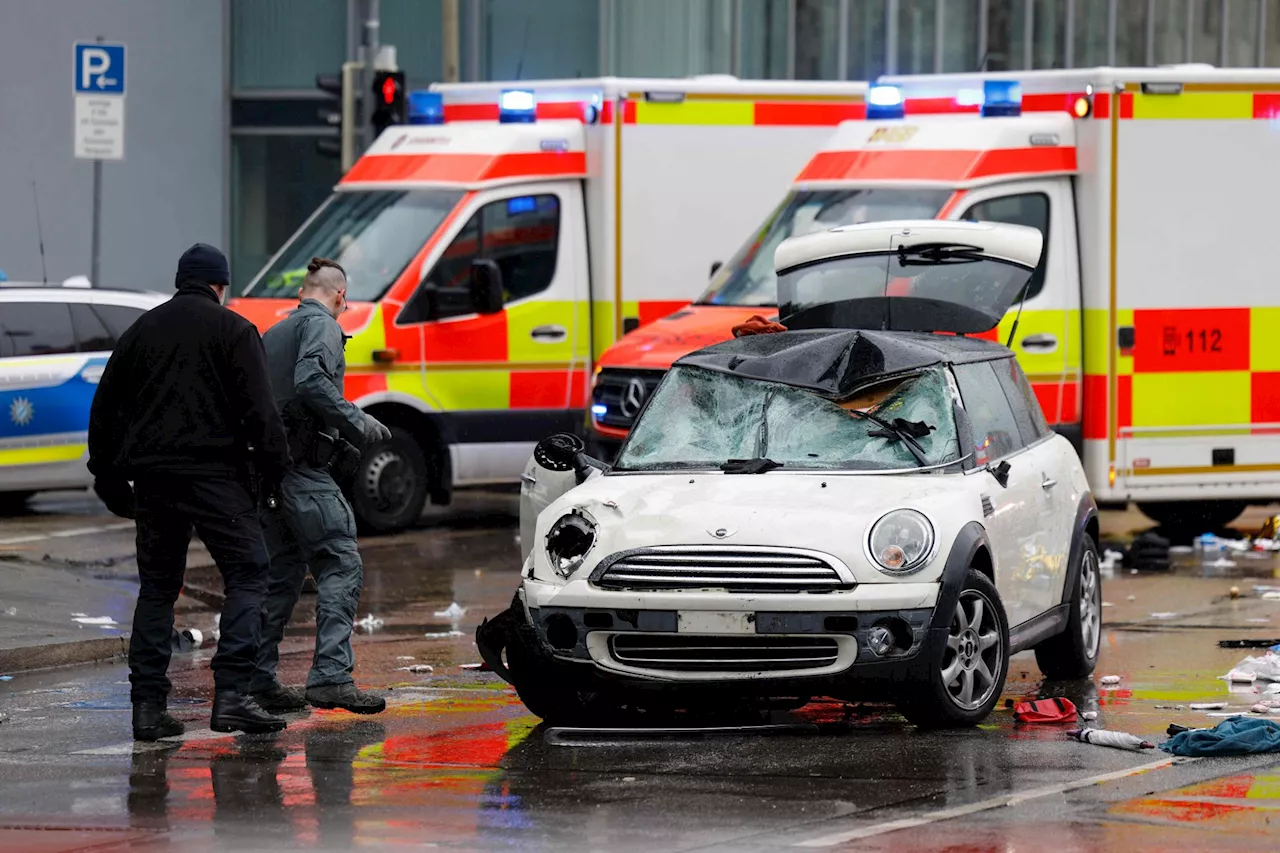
<point x="457" y="763"/>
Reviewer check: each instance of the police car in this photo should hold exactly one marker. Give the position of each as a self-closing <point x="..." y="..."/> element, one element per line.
<point x="857" y="507"/>
<point x="54" y="344"/>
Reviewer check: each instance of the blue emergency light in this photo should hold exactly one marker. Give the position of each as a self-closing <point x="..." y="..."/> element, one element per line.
<point x="1001" y="98"/>
<point x="426" y="108"/>
<point x="517" y="106"/>
<point x="884" y="102"/>
<point x="599" y="410"/>
<point x="521" y="204"/>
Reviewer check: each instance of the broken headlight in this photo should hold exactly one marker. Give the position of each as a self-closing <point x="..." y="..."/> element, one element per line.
<point x="901" y="542"/>
<point x="569" y="541"/>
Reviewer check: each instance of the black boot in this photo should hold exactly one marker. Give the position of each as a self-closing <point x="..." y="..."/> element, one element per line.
<point x="237" y="712"/>
<point x="278" y="699"/>
<point x="347" y="696"/>
<point x="151" y="721"/>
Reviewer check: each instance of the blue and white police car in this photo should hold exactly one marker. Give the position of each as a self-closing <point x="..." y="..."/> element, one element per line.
<point x="54" y="344"/>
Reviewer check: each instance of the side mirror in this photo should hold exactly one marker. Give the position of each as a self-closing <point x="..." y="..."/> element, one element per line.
<point x="1001" y="473"/>
<point x="564" y="452"/>
<point x="715" y="267"/>
<point x="486" y="287"/>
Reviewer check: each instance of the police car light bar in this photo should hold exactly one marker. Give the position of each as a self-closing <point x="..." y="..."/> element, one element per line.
<point x="884" y="102"/>
<point x="1001" y="98"/>
<point x="426" y="108"/>
<point x="517" y="106"/>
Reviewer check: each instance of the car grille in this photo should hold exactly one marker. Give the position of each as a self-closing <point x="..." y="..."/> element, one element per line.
<point x="732" y="569"/>
<point x="618" y="391"/>
<point x="745" y="653"/>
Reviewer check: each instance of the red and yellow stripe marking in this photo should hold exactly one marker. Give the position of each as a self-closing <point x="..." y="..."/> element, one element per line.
<point x="936" y="165"/>
<point x="466" y="168"/>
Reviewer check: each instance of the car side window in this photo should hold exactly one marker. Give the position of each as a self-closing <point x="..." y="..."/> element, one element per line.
<point x="91" y="333"/>
<point x="118" y="318"/>
<point x="521" y="234"/>
<point x="995" y="431"/>
<point x="36" y="328"/>
<point x="1022" y="398"/>
<point x="1031" y="209"/>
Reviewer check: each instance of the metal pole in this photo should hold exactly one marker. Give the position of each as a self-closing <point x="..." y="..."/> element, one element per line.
<point x="1111" y="32"/>
<point x="1069" y="36"/>
<point x="1187" y="43"/>
<point x="1224" y="49"/>
<point x="1260" y="58"/>
<point x="371" y="25"/>
<point x="96" y="245"/>
<point x="605" y="35"/>
<point x="1028" y="34"/>
<point x="791" y="39"/>
<point x="735" y="38"/>
<point x="891" y="36"/>
<point x="353" y="29"/>
<point x="939" y="22"/>
<point x="475" y="23"/>
<point x="842" y="41"/>
<point x="449" y="37"/>
<point x="984" y="10"/>
<point x="1150" y="47"/>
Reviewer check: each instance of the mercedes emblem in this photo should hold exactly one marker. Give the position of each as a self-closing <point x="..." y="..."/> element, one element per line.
<point x="632" y="397"/>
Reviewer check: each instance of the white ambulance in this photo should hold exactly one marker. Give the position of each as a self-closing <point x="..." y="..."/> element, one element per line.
<point x="503" y="240"/>
<point x="1151" y="332"/>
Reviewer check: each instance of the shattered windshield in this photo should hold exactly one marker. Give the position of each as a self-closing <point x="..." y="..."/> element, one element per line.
<point x="748" y="278"/>
<point x="372" y="234"/>
<point x="704" y="419"/>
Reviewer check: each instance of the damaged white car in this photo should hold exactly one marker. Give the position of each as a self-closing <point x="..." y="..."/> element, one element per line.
<point x="856" y="507"/>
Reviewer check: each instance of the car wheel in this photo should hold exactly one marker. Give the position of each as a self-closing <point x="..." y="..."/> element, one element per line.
<point x="1193" y="517"/>
<point x="1074" y="652"/>
<point x="965" y="683"/>
<point x="14" y="503"/>
<point x="389" y="489"/>
<point x="547" y="693"/>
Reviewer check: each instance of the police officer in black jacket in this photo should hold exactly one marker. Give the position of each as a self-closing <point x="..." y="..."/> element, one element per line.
<point x="184" y="410"/>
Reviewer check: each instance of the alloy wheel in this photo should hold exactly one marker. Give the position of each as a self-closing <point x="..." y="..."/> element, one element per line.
<point x="974" y="653"/>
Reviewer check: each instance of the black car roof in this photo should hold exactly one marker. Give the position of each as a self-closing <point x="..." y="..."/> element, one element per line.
<point x="837" y="362"/>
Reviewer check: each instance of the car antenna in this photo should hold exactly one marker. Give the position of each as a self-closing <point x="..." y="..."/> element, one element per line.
<point x="44" y="271"/>
<point x="887" y="322"/>
<point x="1016" y="317"/>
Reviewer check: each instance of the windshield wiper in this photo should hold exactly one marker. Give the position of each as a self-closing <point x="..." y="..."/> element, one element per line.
<point x="758" y="465"/>
<point x="933" y="254"/>
<point x="899" y="430"/>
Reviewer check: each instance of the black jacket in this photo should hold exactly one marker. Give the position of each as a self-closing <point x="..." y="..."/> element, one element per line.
<point x="186" y="392"/>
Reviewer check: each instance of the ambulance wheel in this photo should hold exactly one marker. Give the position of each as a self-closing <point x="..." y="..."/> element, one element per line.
<point x="390" y="488"/>
<point x="1193" y="517"/>
<point x="965" y="682"/>
<point x="1074" y="652"/>
<point x="14" y="503"/>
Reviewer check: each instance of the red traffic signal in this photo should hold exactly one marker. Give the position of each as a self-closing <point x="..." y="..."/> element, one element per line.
<point x="389" y="104"/>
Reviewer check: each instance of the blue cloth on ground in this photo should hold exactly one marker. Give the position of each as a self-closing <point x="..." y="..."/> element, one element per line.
<point x="1232" y="736"/>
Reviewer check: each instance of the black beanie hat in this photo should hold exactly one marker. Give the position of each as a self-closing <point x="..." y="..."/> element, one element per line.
<point x="203" y="262"/>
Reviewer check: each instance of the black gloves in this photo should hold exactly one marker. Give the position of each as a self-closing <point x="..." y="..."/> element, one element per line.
<point x="118" y="495"/>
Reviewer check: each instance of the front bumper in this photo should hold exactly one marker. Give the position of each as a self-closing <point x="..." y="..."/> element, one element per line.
<point x="756" y="645"/>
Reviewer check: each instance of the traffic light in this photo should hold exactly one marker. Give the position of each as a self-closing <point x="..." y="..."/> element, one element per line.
<point x="342" y="88"/>
<point x="388" y="100"/>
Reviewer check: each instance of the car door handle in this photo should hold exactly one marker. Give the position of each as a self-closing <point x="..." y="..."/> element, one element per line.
<point x="1045" y="342"/>
<point x="530" y="479"/>
<point x="549" y="334"/>
<point x="1048" y="483"/>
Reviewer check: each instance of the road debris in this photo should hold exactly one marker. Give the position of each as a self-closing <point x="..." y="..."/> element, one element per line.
<point x="1116" y="740"/>
<point x="1054" y="710"/>
<point x="1236" y="676"/>
<point x="1168" y="707"/>
<point x="1233" y="736"/>
<point x="1235" y="592"/>
<point x="1109" y="679"/>
<point x="100" y="621"/>
<point x="1247" y="644"/>
<point x="370" y="623"/>
<point x="11" y="611"/>
<point x="405" y="657"/>
<point x="442" y="635"/>
<point x="453" y="612"/>
<point x="1164" y="614"/>
<point x="186" y="640"/>
<point x="1268" y="706"/>
<point x="1132" y="598"/>
<point x="6" y="678"/>
<point x="1089" y="716"/>
<point x="1208" y="706"/>
<point x="1263" y="668"/>
<point x="1111" y="560"/>
<point x="418" y="668"/>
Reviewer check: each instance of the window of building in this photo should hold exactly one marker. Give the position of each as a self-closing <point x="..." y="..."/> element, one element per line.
<point x="671" y="38"/>
<point x="868" y="58"/>
<point x="36" y="328"/>
<point x="995" y="431"/>
<point x="960" y="45"/>
<point x="917" y="31"/>
<point x="521" y="234"/>
<point x="284" y="44"/>
<point x="765" y="34"/>
<point x="1030" y="209"/>
<point x="817" y="40"/>
<point x="543" y="40"/>
<point x="1007" y="44"/>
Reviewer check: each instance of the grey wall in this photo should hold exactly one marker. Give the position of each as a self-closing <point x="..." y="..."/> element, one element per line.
<point x="169" y="191"/>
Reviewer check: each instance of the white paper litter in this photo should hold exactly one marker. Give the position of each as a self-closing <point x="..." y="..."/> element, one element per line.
<point x="453" y="612"/>
<point x="1222" y="563"/>
<point x="1132" y="598"/>
<point x="1089" y="715"/>
<point x="1207" y="706"/>
<point x="1239" y="677"/>
<point x="404" y="657"/>
<point x="1164" y="614"/>
<point x="1109" y="679"/>
<point x="1180" y="549"/>
<point x="1110" y="560"/>
<point x="416" y="667"/>
<point x="12" y="611"/>
<point x="1235" y="544"/>
<point x="1272" y="688"/>
<point x="1271" y="596"/>
<point x="104" y="621"/>
<point x="370" y="623"/>
<point x="1263" y="668"/>
<point x="1107" y="604"/>
<point x="441" y="635"/>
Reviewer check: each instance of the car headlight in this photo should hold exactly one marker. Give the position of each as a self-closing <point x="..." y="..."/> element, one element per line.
<point x="901" y="542"/>
<point x="569" y="541"/>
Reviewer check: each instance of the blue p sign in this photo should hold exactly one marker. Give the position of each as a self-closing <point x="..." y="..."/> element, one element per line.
<point x="99" y="69"/>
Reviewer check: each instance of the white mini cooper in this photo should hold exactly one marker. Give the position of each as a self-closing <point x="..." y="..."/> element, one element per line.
<point x="858" y="507"/>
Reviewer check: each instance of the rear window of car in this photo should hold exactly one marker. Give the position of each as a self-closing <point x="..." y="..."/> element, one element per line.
<point x="36" y="328"/>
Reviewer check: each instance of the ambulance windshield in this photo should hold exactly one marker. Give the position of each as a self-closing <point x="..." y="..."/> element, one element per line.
<point x="749" y="279"/>
<point x="373" y="234"/>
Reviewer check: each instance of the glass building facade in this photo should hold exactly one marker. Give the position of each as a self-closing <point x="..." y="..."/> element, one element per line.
<point x="279" y="46"/>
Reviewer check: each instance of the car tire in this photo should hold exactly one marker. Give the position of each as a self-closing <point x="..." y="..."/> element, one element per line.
<point x="14" y="503"/>
<point x="390" y="487"/>
<point x="1193" y="517"/>
<point x="977" y="642"/>
<point x="1074" y="652"/>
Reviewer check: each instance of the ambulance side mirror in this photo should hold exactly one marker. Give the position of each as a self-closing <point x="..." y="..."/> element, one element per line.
<point x="486" y="287"/>
<point x="715" y="267"/>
